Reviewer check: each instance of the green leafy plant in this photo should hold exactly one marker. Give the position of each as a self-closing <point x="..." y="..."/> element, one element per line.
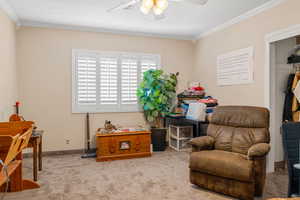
<point x="156" y="95"/>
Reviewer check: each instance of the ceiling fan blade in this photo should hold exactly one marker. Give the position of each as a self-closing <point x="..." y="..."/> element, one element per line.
<point x="199" y="2"/>
<point x="124" y="5"/>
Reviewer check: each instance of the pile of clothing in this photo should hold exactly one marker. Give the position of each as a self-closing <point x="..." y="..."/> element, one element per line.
<point x="197" y="92"/>
<point x="210" y="103"/>
<point x="291" y="110"/>
<point x="193" y="104"/>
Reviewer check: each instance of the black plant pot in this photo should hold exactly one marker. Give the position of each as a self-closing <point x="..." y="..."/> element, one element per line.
<point x="158" y="138"/>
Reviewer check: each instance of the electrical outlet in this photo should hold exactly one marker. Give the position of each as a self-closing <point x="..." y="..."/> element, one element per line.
<point x="67" y="141"/>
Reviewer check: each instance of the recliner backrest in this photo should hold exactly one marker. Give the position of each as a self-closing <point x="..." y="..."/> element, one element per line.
<point x="237" y="128"/>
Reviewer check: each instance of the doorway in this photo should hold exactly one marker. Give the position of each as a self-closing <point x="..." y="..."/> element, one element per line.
<point x="278" y="46"/>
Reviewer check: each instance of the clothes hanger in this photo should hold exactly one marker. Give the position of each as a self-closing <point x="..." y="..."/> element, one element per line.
<point x="296" y="68"/>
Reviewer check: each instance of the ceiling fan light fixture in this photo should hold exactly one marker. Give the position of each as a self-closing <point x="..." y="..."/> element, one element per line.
<point x="144" y="10"/>
<point x="157" y="10"/>
<point x="148" y="4"/>
<point x="161" y="4"/>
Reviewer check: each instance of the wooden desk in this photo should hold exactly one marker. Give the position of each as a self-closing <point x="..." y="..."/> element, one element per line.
<point x="36" y="142"/>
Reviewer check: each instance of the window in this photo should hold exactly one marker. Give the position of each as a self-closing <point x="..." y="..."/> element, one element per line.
<point x="236" y="67"/>
<point x="108" y="81"/>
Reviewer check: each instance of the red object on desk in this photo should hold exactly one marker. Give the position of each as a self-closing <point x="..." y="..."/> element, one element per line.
<point x="17" y="107"/>
<point x="15" y="117"/>
<point x="198" y="88"/>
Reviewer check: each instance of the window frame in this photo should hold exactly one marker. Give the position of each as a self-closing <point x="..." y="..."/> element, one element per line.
<point x="76" y="108"/>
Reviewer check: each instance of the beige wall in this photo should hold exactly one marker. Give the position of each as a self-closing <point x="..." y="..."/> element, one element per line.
<point x="44" y="69"/>
<point x="8" y="79"/>
<point x="250" y="32"/>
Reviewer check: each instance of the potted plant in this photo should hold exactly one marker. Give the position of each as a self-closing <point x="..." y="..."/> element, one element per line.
<point x="156" y="95"/>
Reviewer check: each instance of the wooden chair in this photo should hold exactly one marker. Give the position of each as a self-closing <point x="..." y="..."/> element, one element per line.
<point x="35" y="143"/>
<point x="14" y="137"/>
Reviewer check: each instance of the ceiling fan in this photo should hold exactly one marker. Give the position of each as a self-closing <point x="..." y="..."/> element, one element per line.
<point x="157" y="7"/>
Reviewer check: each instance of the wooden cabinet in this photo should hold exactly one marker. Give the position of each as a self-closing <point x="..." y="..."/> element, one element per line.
<point x="123" y="145"/>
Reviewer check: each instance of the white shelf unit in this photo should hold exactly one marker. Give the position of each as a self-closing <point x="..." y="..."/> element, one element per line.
<point x="179" y="136"/>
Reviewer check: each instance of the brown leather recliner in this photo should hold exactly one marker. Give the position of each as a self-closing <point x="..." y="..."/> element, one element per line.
<point x="231" y="159"/>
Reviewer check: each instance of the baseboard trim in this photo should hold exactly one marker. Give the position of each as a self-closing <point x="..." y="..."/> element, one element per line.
<point x="58" y="153"/>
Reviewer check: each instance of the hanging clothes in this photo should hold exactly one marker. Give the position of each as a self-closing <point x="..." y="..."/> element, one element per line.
<point x="297" y="91"/>
<point x="287" y="109"/>
<point x="295" y="104"/>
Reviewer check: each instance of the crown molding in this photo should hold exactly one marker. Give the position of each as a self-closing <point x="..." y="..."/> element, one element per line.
<point x="289" y="32"/>
<point x="242" y="17"/>
<point x="4" y="5"/>
<point x="102" y="30"/>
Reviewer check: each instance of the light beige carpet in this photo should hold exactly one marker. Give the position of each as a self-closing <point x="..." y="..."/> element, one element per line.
<point x="164" y="176"/>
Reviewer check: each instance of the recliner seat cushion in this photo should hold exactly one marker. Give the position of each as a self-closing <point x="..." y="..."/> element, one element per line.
<point x="222" y="163"/>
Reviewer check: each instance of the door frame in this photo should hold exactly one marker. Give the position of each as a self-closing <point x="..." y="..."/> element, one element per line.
<point x="270" y="38"/>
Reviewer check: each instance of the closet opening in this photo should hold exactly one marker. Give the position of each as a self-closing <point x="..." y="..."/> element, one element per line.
<point x="282" y="97"/>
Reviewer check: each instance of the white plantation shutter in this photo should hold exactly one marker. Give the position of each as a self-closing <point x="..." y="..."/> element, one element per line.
<point x="129" y="80"/>
<point x="236" y="67"/>
<point x="149" y="62"/>
<point x="86" y="79"/>
<point x="108" y="81"/>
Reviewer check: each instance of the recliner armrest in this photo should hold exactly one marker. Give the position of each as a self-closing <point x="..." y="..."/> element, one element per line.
<point x="202" y="143"/>
<point x="258" y="151"/>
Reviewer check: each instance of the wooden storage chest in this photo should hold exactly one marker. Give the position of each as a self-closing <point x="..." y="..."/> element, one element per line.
<point x="123" y="145"/>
